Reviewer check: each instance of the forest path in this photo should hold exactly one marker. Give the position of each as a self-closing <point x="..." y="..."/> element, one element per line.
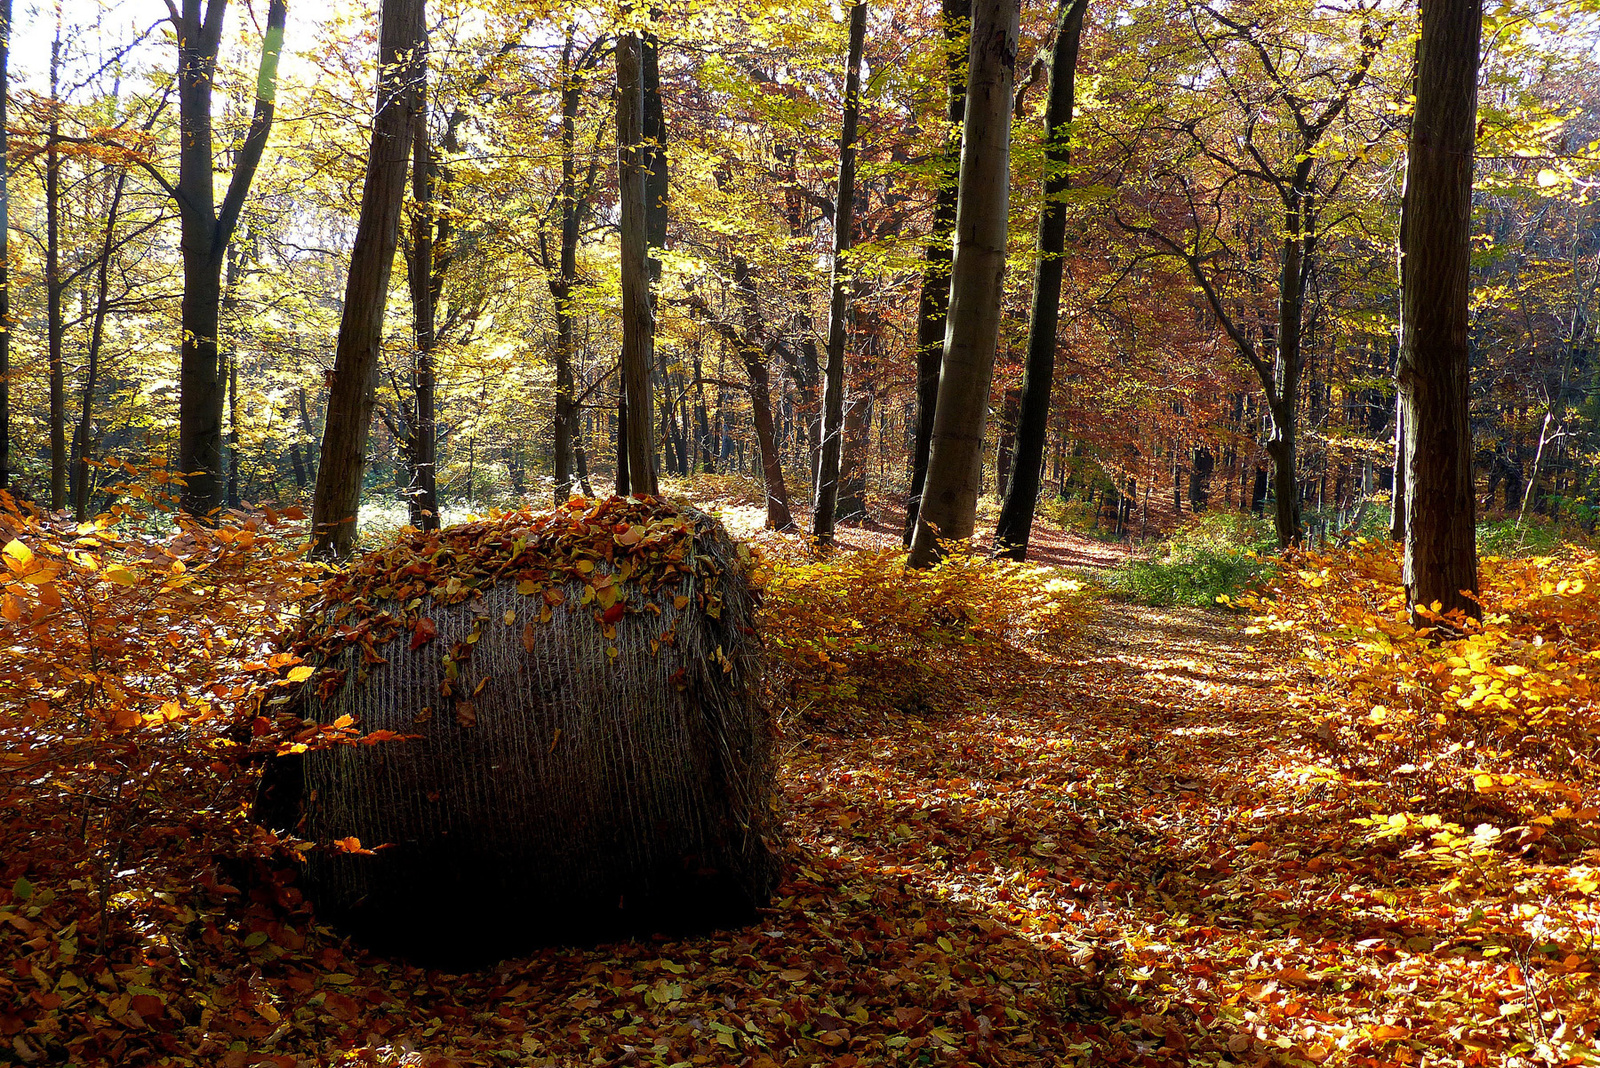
<point x="1147" y="811"/>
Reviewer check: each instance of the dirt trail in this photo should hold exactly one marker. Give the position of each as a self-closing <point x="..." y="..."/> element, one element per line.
<point x="1148" y="814"/>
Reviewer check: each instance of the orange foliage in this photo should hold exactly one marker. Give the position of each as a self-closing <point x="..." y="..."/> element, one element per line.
<point x="126" y="657"/>
<point x="1506" y="708"/>
<point x="855" y="635"/>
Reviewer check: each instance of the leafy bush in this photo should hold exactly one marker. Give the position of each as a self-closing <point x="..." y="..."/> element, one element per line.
<point x="1508" y="537"/>
<point x="125" y="659"/>
<point x="855" y="636"/>
<point x="1506" y="709"/>
<point x="1077" y="516"/>
<point x="1217" y="556"/>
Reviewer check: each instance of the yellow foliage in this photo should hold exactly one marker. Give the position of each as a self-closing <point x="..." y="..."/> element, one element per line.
<point x="1504" y="708"/>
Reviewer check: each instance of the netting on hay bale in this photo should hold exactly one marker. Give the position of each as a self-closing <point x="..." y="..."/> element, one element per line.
<point x="589" y="752"/>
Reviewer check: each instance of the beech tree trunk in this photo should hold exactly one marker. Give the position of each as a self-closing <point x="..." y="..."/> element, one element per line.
<point x="424" y="278"/>
<point x="638" y="319"/>
<point x="91" y="375"/>
<point x="949" y="503"/>
<point x="934" y="304"/>
<point x="206" y="231"/>
<point x="402" y="59"/>
<point x="826" y="497"/>
<point x="1397" y="512"/>
<point x="564" y="277"/>
<point x="5" y="249"/>
<point x="1022" y="491"/>
<point x="52" y="282"/>
<point x="1441" y="560"/>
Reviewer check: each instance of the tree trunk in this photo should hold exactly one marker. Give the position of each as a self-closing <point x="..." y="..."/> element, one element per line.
<point x="564" y="280"/>
<point x="934" y="305"/>
<point x="955" y="460"/>
<point x="424" y="281"/>
<point x="825" y="499"/>
<point x="1397" y="512"/>
<point x="230" y="297"/>
<point x="1441" y="560"/>
<point x="91" y="374"/>
<point x="5" y="249"/>
<point x="402" y="58"/>
<point x="206" y="232"/>
<point x="638" y="318"/>
<point x="52" y="282"/>
<point x="852" y="503"/>
<point x="1022" y="492"/>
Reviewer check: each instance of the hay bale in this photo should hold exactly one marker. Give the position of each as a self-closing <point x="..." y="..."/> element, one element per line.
<point x="590" y="755"/>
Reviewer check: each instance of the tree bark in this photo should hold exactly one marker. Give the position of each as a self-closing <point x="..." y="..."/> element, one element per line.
<point x="1397" y="509"/>
<point x="1022" y="492"/>
<point x="424" y="280"/>
<point x="91" y="374"/>
<point x="402" y="58"/>
<point x="52" y="281"/>
<point x="955" y="460"/>
<point x="563" y="283"/>
<point x="1441" y="560"/>
<point x="934" y="305"/>
<point x="5" y="251"/>
<point x="206" y="231"/>
<point x="826" y="496"/>
<point x="638" y="319"/>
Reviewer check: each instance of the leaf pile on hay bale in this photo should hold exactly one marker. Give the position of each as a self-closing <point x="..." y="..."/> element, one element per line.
<point x="584" y="751"/>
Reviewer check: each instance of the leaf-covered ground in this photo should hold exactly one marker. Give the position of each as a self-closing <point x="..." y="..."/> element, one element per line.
<point x="1129" y="851"/>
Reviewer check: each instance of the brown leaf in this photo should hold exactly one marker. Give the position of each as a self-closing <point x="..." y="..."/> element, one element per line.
<point x="423" y="632"/>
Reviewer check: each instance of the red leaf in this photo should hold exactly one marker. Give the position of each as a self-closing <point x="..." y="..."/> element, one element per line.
<point x="423" y="633"/>
<point x="615" y="612"/>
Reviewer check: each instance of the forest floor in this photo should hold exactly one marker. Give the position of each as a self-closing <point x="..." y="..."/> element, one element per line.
<point x="1123" y="851"/>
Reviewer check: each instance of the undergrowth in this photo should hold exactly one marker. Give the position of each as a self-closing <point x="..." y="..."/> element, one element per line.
<point x="1216" y="556"/>
<point x="855" y="636"/>
<point x="1491" y="722"/>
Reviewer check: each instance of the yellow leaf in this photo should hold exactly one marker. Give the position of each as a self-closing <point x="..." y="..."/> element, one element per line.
<point x="1483" y="782"/>
<point x="19" y="553"/>
<point x="1547" y="178"/>
<point x="302" y="673"/>
<point x="120" y="575"/>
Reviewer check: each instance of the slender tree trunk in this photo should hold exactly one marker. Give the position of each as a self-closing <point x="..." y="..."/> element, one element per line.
<point x="1022" y="492"/>
<point x="852" y="502"/>
<point x="206" y="231"/>
<point x="424" y="281"/>
<point x="934" y="304"/>
<point x="825" y="499"/>
<point x="91" y="375"/>
<point x="638" y="319"/>
<point x="1397" y="514"/>
<point x="230" y="300"/>
<point x="565" y="279"/>
<point x="5" y="249"/>
<point x="653" y="127"/>
<point x="402" y="58"/>
<point x="52" y="281"/>
<point x="955" y="461"/>
<point x="623" y="482"/>
<point x="1441" y="560"/>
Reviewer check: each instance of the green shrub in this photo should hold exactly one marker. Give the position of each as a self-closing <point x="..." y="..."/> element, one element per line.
<point x="1218" y="555"/>
<point x="1534" y="536"/>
